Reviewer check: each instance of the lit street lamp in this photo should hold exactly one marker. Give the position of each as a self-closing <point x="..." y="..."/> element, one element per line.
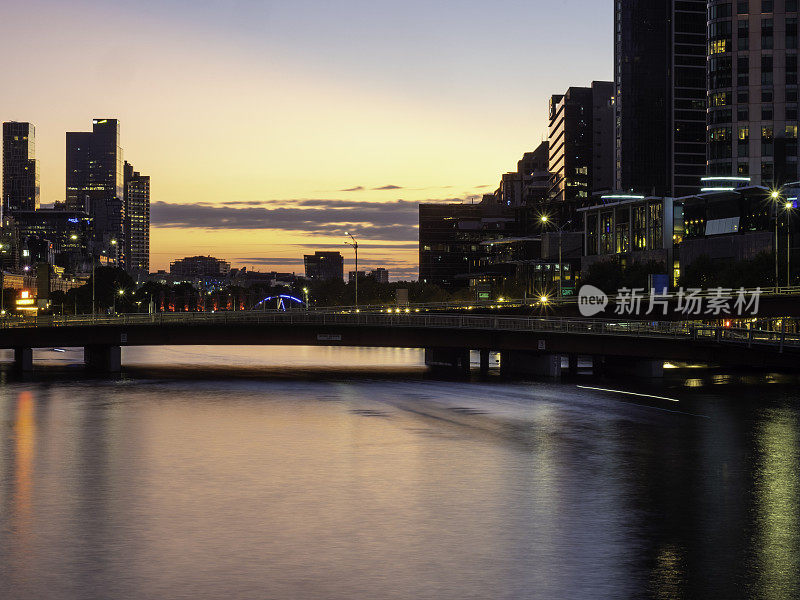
<point x="305" y="295"/>
<point x="545" y="220"/>
<point x="354" y="244"/>
<point x="114" y="304"/>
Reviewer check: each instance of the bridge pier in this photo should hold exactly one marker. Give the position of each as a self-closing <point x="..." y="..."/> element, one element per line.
<point x="573" y="365"/>
<point x="104" y="359"/>
<point x="623" y="366"/>
<point x="519" y="363"/>
<point x="23" y="359"/>
<point x="448" y="359"/>
<point x="484" y="363"/>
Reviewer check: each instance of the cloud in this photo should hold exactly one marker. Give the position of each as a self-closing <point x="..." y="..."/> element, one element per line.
<point x="368" y="246"/>
<point x="386" y="221"/>
<point x="388" y="187"/>
<point x="359" y="188"/>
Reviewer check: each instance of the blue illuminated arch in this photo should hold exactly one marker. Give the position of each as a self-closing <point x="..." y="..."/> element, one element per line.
<point x="281" y="301"/>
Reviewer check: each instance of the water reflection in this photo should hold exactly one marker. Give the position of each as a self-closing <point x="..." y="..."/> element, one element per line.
<point x="778" y="504"/>
<point x="383" y="484"/>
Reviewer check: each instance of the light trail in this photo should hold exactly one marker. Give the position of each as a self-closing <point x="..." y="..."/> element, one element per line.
<point x="584" y="387"/>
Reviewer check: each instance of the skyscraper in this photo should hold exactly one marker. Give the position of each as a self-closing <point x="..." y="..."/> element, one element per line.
<point x="752" y="90"/>
<point x="137" y="220"/>
<point x="20" y="167"/>
<point x="581" y="145"/>
<point x="95" y="184"/>
<point x="660" y="77"/>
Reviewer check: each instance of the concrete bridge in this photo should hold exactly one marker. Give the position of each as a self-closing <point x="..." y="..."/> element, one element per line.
<point x="528" y="345"/>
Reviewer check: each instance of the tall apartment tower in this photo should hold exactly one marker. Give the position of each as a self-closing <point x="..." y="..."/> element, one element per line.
<point x="581" y="145"/>
<point x="137" y="220"/>
<point x="20" y="167"/>
<point x="752" y="90"/>
<point x="95" y="184"/>
<point x="660" y="77"/>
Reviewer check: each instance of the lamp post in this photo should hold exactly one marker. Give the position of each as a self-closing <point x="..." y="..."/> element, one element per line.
<point x="116" y="252"/>
<point x="776" y="195"/>
<point x="354" y="244"/>
<point x="114" y="305"/>
<point x="305" y="295"/>
<point x="93" y="288"/>
<point x="545" y="220"/>
<point x="789" y="206"/>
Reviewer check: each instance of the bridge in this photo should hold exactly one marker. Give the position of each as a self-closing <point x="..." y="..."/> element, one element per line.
<point x="528" y="345"/>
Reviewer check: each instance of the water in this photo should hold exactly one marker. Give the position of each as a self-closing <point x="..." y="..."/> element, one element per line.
<point x="288" y="477"/>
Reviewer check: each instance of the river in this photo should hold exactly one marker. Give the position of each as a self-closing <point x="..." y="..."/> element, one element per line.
<point x="304" y="473"/>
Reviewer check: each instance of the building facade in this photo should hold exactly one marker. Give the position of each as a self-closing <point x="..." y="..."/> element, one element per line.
<point x="324" y="266"/>
<point x="752" y="90"/>
<point x="68" y="235"/>
<point x="660" y="79"/>
<point x="198" y="267"/>
<point x="137" y="220"/>
<point x="95" y="184"/>
<point x="20" y="167"/>
<point x="581" y="145"/>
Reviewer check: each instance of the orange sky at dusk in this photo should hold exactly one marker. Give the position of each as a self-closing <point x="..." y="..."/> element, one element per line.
<point x="262" y="105"/>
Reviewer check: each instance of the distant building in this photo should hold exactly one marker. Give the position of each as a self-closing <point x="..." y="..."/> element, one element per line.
<point x="137" y="220"/>
<point x="660" y="77"/>
<point x="381" y="275"/>
<point x="95" y="184"/>
<point x="197" y="267"/>
<point x="581" y="146"/>
<point x="20" y="167"/>
<point x="324" y="266"/>
<point x="351" y="276"/>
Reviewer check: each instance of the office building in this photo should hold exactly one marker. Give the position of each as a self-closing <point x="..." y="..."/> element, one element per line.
<point x="752" y="90"/>
<point x="20" y="167"/>
<point x="581" y="146"/>
<point x="66" y="234"/>
<point x="324" y="266"/>
<point x="95" y="184"/>
<point x="351" y="276"/>
<point x="451" y="236"/>
<point x="381" y="275"/>
<point x="660" y="78"/>
<point x="137" y="220"/>
<point x="198" y="267"/>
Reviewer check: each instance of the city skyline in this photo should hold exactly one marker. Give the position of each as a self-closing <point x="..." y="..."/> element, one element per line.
<point x="257" y="119"/>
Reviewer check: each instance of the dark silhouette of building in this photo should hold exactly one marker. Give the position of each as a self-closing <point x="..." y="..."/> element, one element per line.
<point x="95" y="184"/>
<point x="451" y="236"/>
<point x="381" y="275"/>
<point x="68" y="235"/>
<point x="137" y="220"/>
<point x="752" y="91"/>
<point x="194" y="267"/>
<point x="581" y="145"/>
<point x="660" y="77"/>
<point x="20" y="167"/>
<point x="324" y="266"/>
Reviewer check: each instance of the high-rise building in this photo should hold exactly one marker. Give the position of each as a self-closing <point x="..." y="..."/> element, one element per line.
<point x="95" y="184"/>
<point x="752" y="90"/>
<point x="20" y="167"/>
<point x="581" y="145"/>
<point x="660" y="77"/>
<point x="324" y="266"/>
<point x="381" y="275"/>
<point x="137" y="220"/>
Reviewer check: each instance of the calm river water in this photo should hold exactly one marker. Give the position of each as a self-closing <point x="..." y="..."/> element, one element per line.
<point x="272" y="473"/>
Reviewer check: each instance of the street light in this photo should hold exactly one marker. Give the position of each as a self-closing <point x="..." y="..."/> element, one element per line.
<point x="776" y="195"/>
<point x="354" y="244"/>
<point x="789" y="207"/>
<point x="305" y="295"/>
<point x="545" y="220"/>
<point x="114" y="305"/>
<point x="116" y="252"/>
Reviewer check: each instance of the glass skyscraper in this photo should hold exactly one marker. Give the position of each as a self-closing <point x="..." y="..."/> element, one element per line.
<point x="660" y="77"/>
<point x="20" y="167"/>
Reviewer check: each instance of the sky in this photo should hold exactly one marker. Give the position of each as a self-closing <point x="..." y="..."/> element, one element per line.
<point x="269" y="128"/>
